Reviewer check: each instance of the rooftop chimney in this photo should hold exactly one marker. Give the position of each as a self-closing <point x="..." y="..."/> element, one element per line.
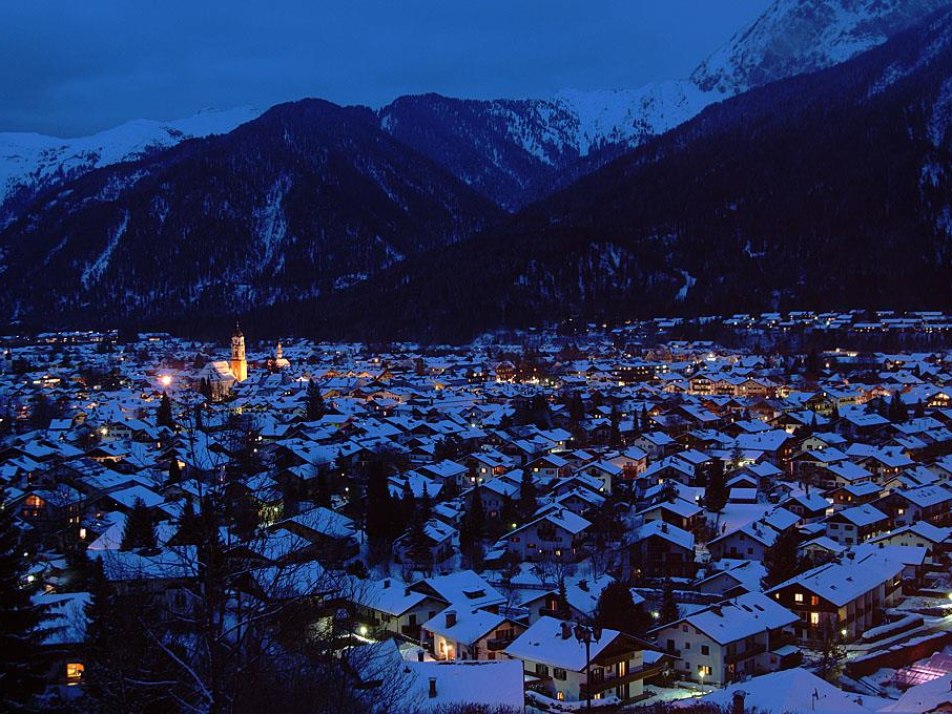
<point x="420" y="655"/>
<point x="386" y="583"/>
<point x="450" y="618"/>
<point x="433" y="688"/>
<point x="566" y="630"/>
<point x="737" y="702"/>
<point x="583" y="585"/>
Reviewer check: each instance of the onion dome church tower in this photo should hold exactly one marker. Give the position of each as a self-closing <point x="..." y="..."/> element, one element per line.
<point x="239" y="365"/>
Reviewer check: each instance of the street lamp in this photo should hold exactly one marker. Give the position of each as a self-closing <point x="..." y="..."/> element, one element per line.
<point x="586" y="635"/>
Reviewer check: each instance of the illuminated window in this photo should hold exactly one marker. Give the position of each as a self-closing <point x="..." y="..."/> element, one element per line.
<point x="798" y="597"/>
<point x="560" y="696"/>
<point x="814" y="600"/>
<point x="814" y="618"/>
<point x="74" y="673"/>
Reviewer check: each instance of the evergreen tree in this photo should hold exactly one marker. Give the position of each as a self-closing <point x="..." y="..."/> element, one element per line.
<point x="22" y="628"/>
<point x="139" y="532"/>
<point x="716" y="493"/>
<point x="41" y="412"/>
<point x="617" y="610"/>
<point x="920" y="411"/>
<point x="205" y="388"/>
<point x="322" y="496"/>
<point x="669" y="606"/>
<point x="425" y="506"/>
<point x="897" y="409"/>
<point x="563" y="611"/>
<point x="473" y="528"/>
<point x="528" y="502"/>
<point x="645" y="420"/>
<point x="576" y="409"/>
<point x="164" y="415"/>
<point x="175" y="471"/>
<point x="614" y="432"/>
<point x="831" y="649"/>
<point x="782" y="559"/>
<point x="314" y="402"/>
<point x="382" y="514"/>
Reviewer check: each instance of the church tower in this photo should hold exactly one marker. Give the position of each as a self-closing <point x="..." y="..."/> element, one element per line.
<point x="239" y="365"/>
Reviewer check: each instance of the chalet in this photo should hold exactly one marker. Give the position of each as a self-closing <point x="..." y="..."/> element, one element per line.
<point x="729" y="578"/>
<point x="388" y="605"/>
<point x="332" y="534"/>
<point x="936" y="541"/>
<point x="678" y="512"/>
<point x="658" y="549"/>
<point x="856" y="525"/>
<point x="434" y="546"/>
<point x="549" y="467"/>
<point x="557" y="535"/>
<point x="461" y="589"/>
<point x="656" y="444"/>
<point x="811" y="507"/>
<point x="748" y="635"/>
<point x="847" y="596"/>
<point x="554" y="658"/>
<point x="581" y="594"/>
<point x="843" y="473"/>
<point x="928" y="504"/>
<point x="855" y="494"/>
<point x="749" y="542"/>
<point x="632" y="461"/>
<point x="470" y="634"/>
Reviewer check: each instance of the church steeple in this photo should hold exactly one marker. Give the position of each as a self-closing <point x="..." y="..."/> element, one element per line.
<point x="239" y="364"/>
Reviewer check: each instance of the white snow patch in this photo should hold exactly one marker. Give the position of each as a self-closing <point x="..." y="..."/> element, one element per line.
<point x="689" y="281"/>
<point x="94" y="271"/>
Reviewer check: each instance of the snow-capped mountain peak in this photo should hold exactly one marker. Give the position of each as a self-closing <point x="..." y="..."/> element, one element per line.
<point x="31" y="162"/>
<point x="797" y="36"/>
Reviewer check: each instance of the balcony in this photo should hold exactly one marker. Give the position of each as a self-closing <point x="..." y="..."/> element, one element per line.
<point x="610" y="681"/>
<point x="411" y="631"/>
<point x="547" y="611"/>
<point x="498" y="643"/>
<point x="751" y="651"/>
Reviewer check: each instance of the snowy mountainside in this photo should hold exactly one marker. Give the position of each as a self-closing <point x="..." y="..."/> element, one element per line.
<point x="765" y="201"/>
<point x="797" y="36"/>
<point x="30" y="163"/>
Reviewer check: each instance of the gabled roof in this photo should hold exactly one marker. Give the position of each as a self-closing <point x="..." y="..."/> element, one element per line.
<point x="739" y="618"/>
<point x="844" y="581"/>
<point x="543" y="642"/>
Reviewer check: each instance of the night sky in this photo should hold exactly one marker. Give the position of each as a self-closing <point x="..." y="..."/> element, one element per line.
<point x="71" y="68"/>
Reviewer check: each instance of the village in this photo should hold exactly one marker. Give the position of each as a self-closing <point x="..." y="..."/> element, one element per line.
<point x="556" y="522"/>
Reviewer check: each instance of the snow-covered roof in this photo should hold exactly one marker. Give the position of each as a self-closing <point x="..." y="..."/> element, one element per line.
<point x="544" y="642"/>
<point x="741" y="617"/>
<point x="791" y="691"/>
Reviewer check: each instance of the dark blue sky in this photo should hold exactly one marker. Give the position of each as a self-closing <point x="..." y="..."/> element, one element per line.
<point x="71" y="67"/>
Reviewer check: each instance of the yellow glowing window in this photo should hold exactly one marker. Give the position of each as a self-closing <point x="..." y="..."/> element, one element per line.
<point x="560" y="696"/>
<point x="814" y="618"/>
<point x="798" y="597"/>
<point x="74" y="672"/>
